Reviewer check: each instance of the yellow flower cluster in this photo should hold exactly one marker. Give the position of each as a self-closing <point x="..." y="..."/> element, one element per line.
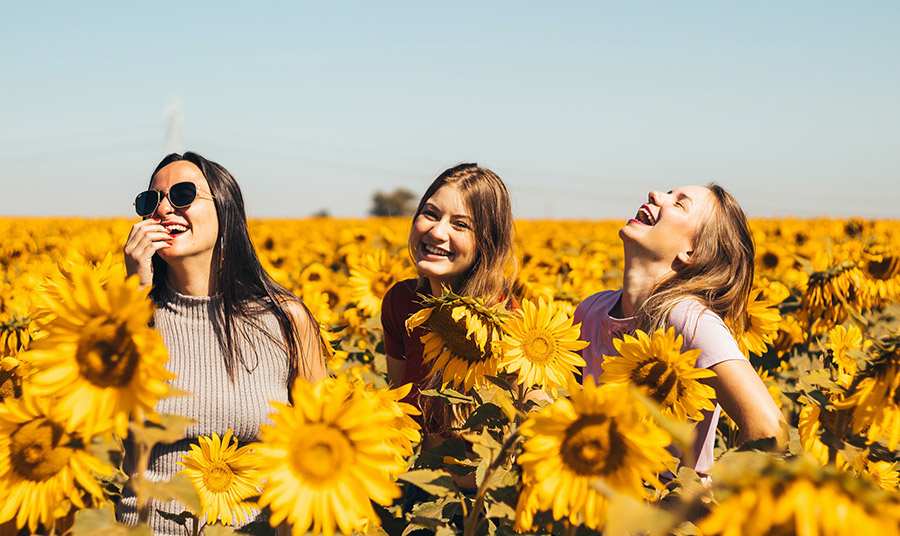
<point x="78" y="363"/>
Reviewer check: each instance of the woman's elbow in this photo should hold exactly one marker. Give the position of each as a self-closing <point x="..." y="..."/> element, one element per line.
<point x="766" y="425"/>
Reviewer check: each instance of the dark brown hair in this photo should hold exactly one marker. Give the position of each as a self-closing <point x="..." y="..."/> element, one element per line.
<point x="245" y="286"/>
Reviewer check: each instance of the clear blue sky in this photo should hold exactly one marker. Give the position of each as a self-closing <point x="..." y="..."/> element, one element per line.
<point x="581" y="107"/>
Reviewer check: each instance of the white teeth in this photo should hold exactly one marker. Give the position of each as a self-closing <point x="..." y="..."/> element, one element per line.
<point x="645" y="216"/>
<point x="435" y="250"/>
<point x="176" y="227"/>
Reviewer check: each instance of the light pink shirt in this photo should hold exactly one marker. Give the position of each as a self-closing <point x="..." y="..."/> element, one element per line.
<point x="700" y="328"/>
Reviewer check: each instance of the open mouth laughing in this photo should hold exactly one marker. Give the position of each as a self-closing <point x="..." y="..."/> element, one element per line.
<point x="645" y="216"/>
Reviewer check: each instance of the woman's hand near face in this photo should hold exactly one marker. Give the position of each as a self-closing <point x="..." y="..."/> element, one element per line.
<point x="145" y="239"/>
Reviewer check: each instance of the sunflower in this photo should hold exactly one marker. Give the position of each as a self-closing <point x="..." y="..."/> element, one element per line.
<point x="540" y="345"/>
<point x="328" y="456"/>
<point x="812" y="421"/>
<point x="334" y="359"/>
<point x="790" y="332"/>
<point x="42" y="466"/>
<point x="874" y="395"/>
<point x="315" y="274"/>
<point x="773" y="258"/>
<point x="830" y="291"/>
<point x="762" y="327"/>
<point x="11" y="372"/>
<point x="775" y="292"/>
<point x="841" y="340"/>
<point x="224" y="477"/>
<point x="460" y="338"/>
<point x="658" y="365"/>
<point x="884" y="474"/>
<point x="16" y="332"/>
<point x="882" y="268"/>
<point x="405" y="430"/>
<point x="601" y="434"/>
<point x="760" y="495"/>
<point x="100" y="357"/>
<point x="373" y="277"/>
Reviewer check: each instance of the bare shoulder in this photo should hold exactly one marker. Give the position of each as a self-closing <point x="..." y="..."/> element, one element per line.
<point x="302" y="317"/>
<point x="309" y="339"/>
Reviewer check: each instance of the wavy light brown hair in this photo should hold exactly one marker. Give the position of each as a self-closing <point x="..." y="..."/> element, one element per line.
<point x="489" y="277"/>
<point x="487" y="199"/>
<point x="720" y="275"/>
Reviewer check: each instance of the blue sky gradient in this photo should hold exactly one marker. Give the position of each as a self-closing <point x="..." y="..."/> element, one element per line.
<point x="581" y="107"/>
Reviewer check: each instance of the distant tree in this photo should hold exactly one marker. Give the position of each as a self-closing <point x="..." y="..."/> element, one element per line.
<point x="321" y="213"/>
<point x="401" y="202"/>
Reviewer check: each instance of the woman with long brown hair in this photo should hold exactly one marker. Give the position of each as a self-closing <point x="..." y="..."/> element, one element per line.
<point x="462" y="239"/>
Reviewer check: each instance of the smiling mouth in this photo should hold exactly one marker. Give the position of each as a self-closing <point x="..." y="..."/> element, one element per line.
<point x="434" y="250"/>
<point x="175" y="228"/>
<point x="645" y="216"/>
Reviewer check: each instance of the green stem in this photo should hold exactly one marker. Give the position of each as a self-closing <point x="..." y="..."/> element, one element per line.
<point x="839" y="432"/>
<point x="472" y="521"/>
<point x="521" y="393"/>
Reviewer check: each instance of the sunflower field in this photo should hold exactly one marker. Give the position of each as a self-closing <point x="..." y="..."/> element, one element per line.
<point x="534" y="450"/>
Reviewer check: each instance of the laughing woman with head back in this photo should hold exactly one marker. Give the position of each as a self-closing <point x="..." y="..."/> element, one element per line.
<point x="689" y="265"/>
<point x="236" y="338"/>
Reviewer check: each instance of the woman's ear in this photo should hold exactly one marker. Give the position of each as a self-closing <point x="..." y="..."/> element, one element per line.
<point x="682" y="260"/>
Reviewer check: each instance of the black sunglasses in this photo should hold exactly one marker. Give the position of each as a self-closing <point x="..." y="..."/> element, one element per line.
<point x="180" y="195"/>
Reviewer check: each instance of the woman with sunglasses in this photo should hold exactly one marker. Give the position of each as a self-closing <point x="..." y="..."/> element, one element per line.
<point x="236" y="338"/>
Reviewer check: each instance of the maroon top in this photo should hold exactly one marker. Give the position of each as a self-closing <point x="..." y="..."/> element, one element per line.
<point x="401" y="302"/>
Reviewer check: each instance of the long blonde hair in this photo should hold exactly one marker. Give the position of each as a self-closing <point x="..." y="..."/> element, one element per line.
<point x="720" y="274"/>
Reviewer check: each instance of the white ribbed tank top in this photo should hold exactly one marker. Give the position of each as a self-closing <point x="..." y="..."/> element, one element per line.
<point x="198" y="359"/>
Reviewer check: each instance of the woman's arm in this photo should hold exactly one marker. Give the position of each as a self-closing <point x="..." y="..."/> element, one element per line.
<point x="739" y="390"/>
<point x="744" y="397"/>
<point x="395" y="369"/>
<point x="312" y="350"/>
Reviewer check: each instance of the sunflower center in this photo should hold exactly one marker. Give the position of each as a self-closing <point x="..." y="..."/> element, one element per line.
<point x="593" y="446"/>
<point x="885" y="269"/>
<point x="379" y="285"/>
<point x="770" y="260"/>
<point x="453" y="333"/>
<point x="36" y="450"/>
<point x="107" y="355"/>
<point x="659" y="379"/>
<point x="10" y="384"/>
<point x="322" y="455"/>
<point x="217" y="476"/>
<point x="539" y="346"/>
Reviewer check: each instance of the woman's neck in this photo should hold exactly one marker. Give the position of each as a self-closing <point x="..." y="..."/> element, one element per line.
<point x="191" y="278"/>
<point x="638" y="280"/>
